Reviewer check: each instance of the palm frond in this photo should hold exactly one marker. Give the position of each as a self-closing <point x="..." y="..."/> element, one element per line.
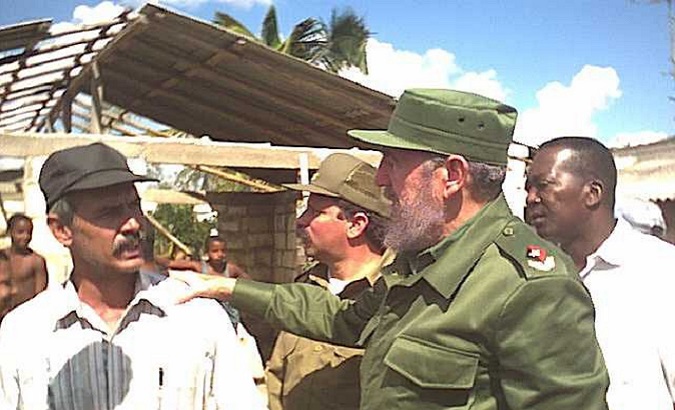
<point x="307" y="40"/>
<point x="270" y="30"/>
<point x="347" y="38"/>
<point x="232" y="24"/>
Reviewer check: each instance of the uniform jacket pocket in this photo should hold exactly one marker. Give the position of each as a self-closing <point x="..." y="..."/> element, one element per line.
<point x="432" y="366"/>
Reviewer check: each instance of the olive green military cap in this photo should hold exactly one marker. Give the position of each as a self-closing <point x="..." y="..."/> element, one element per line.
<point x="347" y="177"/>
<point x="448" y="122"/>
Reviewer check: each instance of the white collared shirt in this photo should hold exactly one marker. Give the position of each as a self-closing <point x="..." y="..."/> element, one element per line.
<point x="631" y="278"/>
<point x="56" y="353"/>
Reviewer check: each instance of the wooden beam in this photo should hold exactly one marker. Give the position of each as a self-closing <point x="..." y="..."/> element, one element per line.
<point x="187" y="151"/>
<point x="132" y="29"/>
<point x="253" y="183"/>
<point x="161" y="229"/>
<point x="2" y="209"/>
<point x="96" y="98"/>
<point x="66" y="114"/>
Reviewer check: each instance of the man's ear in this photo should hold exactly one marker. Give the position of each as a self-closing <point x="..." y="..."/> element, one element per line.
<point x="594" y="192"/>
<point x="357" y="225"/>
<point x="61" y="232"/>
<point x="457" y="174"/>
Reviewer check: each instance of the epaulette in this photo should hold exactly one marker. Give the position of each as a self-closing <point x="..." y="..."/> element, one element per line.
<point x="534" y="256"/>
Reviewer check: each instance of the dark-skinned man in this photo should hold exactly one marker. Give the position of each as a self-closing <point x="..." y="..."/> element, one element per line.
<point x="27" y="269"/>
<point x="571" y="195"/>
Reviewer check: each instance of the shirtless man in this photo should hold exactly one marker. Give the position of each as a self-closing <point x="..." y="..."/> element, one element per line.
<point x="27" y="269"/>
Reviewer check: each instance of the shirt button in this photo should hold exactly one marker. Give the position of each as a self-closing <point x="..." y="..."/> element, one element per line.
<point x="508" y="231"/>
<point x="318" y="348"/>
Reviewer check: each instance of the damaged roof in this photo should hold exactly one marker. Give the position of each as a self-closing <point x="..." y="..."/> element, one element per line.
<point x="186" y="74"/>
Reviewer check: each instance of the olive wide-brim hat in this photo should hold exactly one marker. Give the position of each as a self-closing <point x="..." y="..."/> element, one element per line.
<point x="448" y="122"/>
<point x="347" y="177"/>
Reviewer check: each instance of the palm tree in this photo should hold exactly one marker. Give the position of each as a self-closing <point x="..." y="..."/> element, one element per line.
<point x="334" y="46"/>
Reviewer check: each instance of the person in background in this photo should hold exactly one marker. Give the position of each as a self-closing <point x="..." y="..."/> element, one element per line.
<point x="27" y="269"/>
<point x="112" y="337"/>
<point x="645" y="216"/>
<point x="476" y="311"/>
<point x="570" y="200"/>
<point x="341" y="229"/>
<point x="215" y="264"/>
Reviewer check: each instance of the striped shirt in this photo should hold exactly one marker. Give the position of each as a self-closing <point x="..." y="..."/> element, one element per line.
<point x="56" y="353"/>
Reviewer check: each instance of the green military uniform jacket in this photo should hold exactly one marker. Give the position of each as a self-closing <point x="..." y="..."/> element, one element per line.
<point x="492" y="317"/>
<point x="304" y="374"/>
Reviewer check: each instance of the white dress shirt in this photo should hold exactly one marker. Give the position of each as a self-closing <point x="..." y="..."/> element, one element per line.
<point x="631" y="278"/>
<point x="56" y="353"/>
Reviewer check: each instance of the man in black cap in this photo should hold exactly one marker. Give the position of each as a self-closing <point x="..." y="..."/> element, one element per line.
<point x="111" y="337"/>
<point x="476" y="311"/>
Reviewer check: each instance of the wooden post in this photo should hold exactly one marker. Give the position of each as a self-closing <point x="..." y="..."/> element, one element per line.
<point x="96" y="99"/>
<point x="161" y="229"/>
<point x="67" y="115"/>
<point x="2" y="209"/>
<point x="49" y="125"/>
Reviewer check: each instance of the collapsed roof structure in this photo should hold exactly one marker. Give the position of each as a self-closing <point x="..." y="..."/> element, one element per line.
<point x="182" y="74"/>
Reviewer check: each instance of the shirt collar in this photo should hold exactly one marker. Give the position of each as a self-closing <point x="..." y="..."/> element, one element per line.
<point x="613" y="249"/>
<point x="459" y="251"/>
<point x="150" y="290"/>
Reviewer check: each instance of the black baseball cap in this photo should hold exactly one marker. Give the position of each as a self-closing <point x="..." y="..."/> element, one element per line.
<point x="84" y="167"/>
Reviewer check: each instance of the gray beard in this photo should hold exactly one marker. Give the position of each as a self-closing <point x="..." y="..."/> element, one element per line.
<point x="417" y="225"/>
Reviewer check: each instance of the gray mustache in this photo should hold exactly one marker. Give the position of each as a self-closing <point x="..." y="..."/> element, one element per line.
<point x="128" y="242"/>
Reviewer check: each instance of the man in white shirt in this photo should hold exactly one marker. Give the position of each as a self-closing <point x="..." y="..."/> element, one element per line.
<point x="570" y="200"/>
<point x="111" y="337"/>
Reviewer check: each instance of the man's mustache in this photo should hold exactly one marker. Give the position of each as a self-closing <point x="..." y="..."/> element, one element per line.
<point x="128" y="242"/>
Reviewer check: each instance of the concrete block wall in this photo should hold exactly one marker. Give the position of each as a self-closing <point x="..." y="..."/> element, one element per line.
<point x="260" y="232"/>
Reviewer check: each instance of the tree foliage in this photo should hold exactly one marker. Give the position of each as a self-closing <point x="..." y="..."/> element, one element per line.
<point x="339" y="44"/>
<point x="181" y="221"/>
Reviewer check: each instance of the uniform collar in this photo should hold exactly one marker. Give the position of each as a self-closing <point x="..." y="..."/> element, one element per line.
<point x="319" y="275"/>
<point x="445" y="265"/>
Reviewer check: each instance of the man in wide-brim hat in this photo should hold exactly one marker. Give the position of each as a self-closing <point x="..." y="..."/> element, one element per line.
<point x="476" y="311"/>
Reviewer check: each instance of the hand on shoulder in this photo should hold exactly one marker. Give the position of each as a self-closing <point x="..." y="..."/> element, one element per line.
<point x="206" y="286"/>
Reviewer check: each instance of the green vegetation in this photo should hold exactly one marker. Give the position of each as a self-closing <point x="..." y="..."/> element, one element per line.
<point x="339" y="44"/>
<point x="180" y="220"/>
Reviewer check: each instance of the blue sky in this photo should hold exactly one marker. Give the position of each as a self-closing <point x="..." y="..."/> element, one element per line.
<point x="593" y="68"/>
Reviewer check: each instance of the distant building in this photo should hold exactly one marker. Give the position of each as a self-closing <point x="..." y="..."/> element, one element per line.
<point x="647" y="172"/>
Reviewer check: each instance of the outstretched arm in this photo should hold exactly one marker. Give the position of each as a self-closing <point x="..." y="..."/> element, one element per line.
<point x="299" y="308"/>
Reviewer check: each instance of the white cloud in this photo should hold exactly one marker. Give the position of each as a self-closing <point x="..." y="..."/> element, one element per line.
<point x="484" y="83"/>
<point x="245" y="4"/>
<point x="626" y="139"/>
<point x="569" y="110"/>
<point x="391" y="71"/>
<point x="104" y="11"/>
